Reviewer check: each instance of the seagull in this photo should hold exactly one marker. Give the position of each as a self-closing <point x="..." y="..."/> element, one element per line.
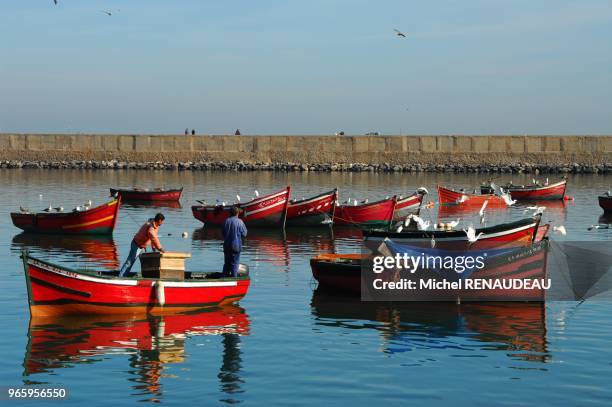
<point x="399" y="228"/>
<point x="355" y="202"/>
<point x="399" y="33"/>
<point x="599" y="227"/>
<point x="49" y="209"/>
<point x="201" y="202"/>
<point x="509" y="201"/>
<point x="238" y="198"/>
<point x="482" y="209"/>
<point x="77" y="209"/>
<point x="433" y="242"/>
<point x="560" y="229"/>
<point x="23" y="210"/>
<point x="185" y="235"/>
<point x="59" y="209"/>
<point x="407" y="220"/>
<point x="454" y="223"/>
<point x="471" y="234"/>
<point x="462" y="199"/>
<point x="365" y="201"/>
<point x="108" y="13"/>
<point x="257" y="193"/>
<point x="421" y="224"/>
<point x="88" y="203"/>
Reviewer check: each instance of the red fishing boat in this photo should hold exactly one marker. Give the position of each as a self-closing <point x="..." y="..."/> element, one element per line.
<point x="605" y="201"/>
<point x="59" y="290"/>
<point x="139" y="194"/>
<point x="85" y="220"/>
<point x="265" y="211"/>
<point x="448" y="196"/>
<point x="318" y="210"/>
<point x="344" y="273"/>
<point x="409" y="204"/>
<point x="533" y="192"/>
<point x="375" y="214"/>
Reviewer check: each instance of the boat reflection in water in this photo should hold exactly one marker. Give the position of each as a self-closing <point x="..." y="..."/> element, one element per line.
<point x="273" y="246"/>
<point x="519" y="329"/>
<point x="151" y="343"/>
<point x="96" y="250"/>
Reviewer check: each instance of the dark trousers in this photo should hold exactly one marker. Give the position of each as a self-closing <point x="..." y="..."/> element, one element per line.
<point x="232" y="261"/>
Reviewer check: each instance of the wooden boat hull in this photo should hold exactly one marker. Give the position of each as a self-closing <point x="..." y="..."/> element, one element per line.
<point x="551" y="192"/>
<point x="265" y="211"/>
<point x="142" y="195"/>
<point x="449" y="197"/>
<point x="56" y="290"/>
<point x="375" y="214"/>
<point x="522" y="232"/>
<point x="407" y="205"/>
<point x="315" y="211"/>
<point x="98" y="220"/>
<point x="606" y="203"/>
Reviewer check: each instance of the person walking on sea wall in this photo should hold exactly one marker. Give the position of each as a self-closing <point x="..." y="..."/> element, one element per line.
<point x="146" y="235"/>
<point x="234" y="230"/>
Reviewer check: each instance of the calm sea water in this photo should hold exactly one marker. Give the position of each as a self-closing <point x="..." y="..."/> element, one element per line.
<point x="286" y="343"/>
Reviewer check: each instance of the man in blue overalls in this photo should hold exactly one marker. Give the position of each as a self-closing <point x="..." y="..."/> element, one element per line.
<point x="233" y="232"/>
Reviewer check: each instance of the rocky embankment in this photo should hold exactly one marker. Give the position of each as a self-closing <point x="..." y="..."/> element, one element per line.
<point x="574" y="168"/>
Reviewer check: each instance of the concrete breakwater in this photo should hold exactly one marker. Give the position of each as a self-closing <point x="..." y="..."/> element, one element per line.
<point x="546" y="154"/>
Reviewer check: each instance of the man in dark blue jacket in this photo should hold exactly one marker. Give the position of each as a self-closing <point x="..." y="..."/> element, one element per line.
<point x="233" y="232"/>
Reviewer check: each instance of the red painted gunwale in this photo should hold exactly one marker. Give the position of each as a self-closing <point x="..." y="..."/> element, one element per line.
<point x="266" y="211"/>
<point x="98" y="220"/>
<point x="56" y="290"/>
<point x="151" y="195"/>
<point x="375" y="213"/>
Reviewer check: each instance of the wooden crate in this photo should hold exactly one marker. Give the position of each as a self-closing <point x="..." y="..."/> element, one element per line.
<point x="167" y="265"/>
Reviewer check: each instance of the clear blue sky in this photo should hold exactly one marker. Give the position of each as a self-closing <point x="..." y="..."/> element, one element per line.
<point x="307" y="67"/>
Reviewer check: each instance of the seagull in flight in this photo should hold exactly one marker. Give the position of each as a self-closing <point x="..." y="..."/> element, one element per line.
<point x="108" y="13"/>
<point x="399" y="33"/>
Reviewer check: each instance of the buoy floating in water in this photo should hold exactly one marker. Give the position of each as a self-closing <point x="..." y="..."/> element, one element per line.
<point x="567" y="198"/>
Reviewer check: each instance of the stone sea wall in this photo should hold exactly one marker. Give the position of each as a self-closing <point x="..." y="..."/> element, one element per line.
<point x="545" y="153"/>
